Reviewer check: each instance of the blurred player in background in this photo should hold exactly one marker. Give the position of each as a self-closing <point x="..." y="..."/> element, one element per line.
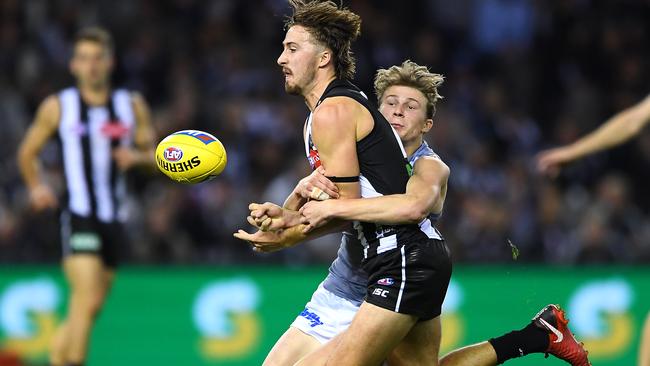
<point x="102" y="132"/>
<point x="615" y="131"/>
<point x="407" y="95"/>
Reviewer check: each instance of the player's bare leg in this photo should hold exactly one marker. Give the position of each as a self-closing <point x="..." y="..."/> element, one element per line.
<point x="89" y="283"/>
<point x="291" y="347"/>
<point x="58" y="350"/>
<point x="644" y="345"/>
<point x="548" y="332"/>
<point x="420" y="346"/>
<point x="481" y="354"/>
<point x="374" y="332"/>
<point x="322" y="352"/>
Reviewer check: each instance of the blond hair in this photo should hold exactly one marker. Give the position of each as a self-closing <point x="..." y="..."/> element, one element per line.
<point x="96" y="35"/>
<point x="334" y="27"/>
<point x="413" y="75"/>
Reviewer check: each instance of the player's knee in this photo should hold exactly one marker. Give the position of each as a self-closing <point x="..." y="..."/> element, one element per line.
<point x="95" y="305"/>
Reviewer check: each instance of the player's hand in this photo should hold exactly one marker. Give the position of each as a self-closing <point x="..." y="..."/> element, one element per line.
<point x="271" y="217"/>
<point x="317" y="186"/>
<point x="550" y="161"/>
<point x="42" y="197"/>
<point x="266" y="216"/>
<point x="315" y="214"/>
<point x="125" y="157"/>
<point x="264" y="241"/>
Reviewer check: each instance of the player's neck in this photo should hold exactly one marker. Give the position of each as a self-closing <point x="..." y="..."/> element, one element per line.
<point x="317" y="89"/>
<point x="412" y="147"/>
<point x="94" y="95"/>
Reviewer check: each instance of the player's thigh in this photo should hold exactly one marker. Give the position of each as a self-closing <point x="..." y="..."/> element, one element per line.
<point x="374" y="332"/>
<point x="421" y="345"/>
<point x="291" y="347"/>
<point x="319" y="355"/>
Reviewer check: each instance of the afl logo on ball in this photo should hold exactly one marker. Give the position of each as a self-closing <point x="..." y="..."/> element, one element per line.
<point x="173" y="154"/>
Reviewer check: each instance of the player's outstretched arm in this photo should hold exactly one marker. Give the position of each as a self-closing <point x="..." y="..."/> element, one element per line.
<point x="614" y="131"/>
<point x="425" y="191"/>
<point x="43" y="127"/>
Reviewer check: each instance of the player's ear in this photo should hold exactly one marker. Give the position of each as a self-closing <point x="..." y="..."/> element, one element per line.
<point x="428" y="123"/>
<point x="325" y="58"/>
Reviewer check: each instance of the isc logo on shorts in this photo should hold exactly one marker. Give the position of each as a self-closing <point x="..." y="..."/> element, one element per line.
<point x="173" y="154"/>
<point x="380" y="292"/>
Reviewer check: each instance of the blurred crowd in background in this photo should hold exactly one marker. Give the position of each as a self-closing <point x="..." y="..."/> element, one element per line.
<point x="521" y="75"/>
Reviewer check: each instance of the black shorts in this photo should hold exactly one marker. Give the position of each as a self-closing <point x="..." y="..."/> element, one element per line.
<point x="411" y="279"/>
<point x="84" y="235"/>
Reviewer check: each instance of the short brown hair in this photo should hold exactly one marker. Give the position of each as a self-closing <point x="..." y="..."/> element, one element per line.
<point x="413" y="75"/>
<point x="97" y="35"/>
<point x="332" y="26"/>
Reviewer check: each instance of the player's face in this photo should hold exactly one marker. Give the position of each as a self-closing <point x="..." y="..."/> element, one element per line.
<point x="299" y="60"/>
<point x="406" y="110"/>
<point x="91" y="64"/>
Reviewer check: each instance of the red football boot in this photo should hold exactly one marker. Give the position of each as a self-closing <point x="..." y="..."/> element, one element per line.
<point x="562" y="343"/>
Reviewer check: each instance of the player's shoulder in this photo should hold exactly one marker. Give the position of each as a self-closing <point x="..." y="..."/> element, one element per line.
<point x="49" y="111"/>
<point x="431" y="163"/>
<point x="336" y="111"/>
<point x="51" y="104"/>
<point x="423" y="151"/>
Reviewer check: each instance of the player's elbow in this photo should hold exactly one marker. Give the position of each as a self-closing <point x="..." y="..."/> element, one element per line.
<point x="417" y="216"/>
<point x="415" y="213"/>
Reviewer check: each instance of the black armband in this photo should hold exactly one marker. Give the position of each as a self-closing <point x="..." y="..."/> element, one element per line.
<point x="343" y="179"/>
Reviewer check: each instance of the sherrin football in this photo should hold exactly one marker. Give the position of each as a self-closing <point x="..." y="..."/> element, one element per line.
<point x="191" y="156"/>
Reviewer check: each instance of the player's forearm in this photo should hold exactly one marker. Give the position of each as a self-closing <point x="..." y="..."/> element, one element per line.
<point x="393" y="209"/>
<point x="28" y="165"/>
<point x="290" y="218"/>
<point x="295" y="234"/>
<point x="294" y="201"/>
<point x="613" y="132"/>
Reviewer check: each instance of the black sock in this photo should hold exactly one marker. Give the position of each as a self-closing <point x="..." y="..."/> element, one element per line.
<point x="519" y="343"/>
